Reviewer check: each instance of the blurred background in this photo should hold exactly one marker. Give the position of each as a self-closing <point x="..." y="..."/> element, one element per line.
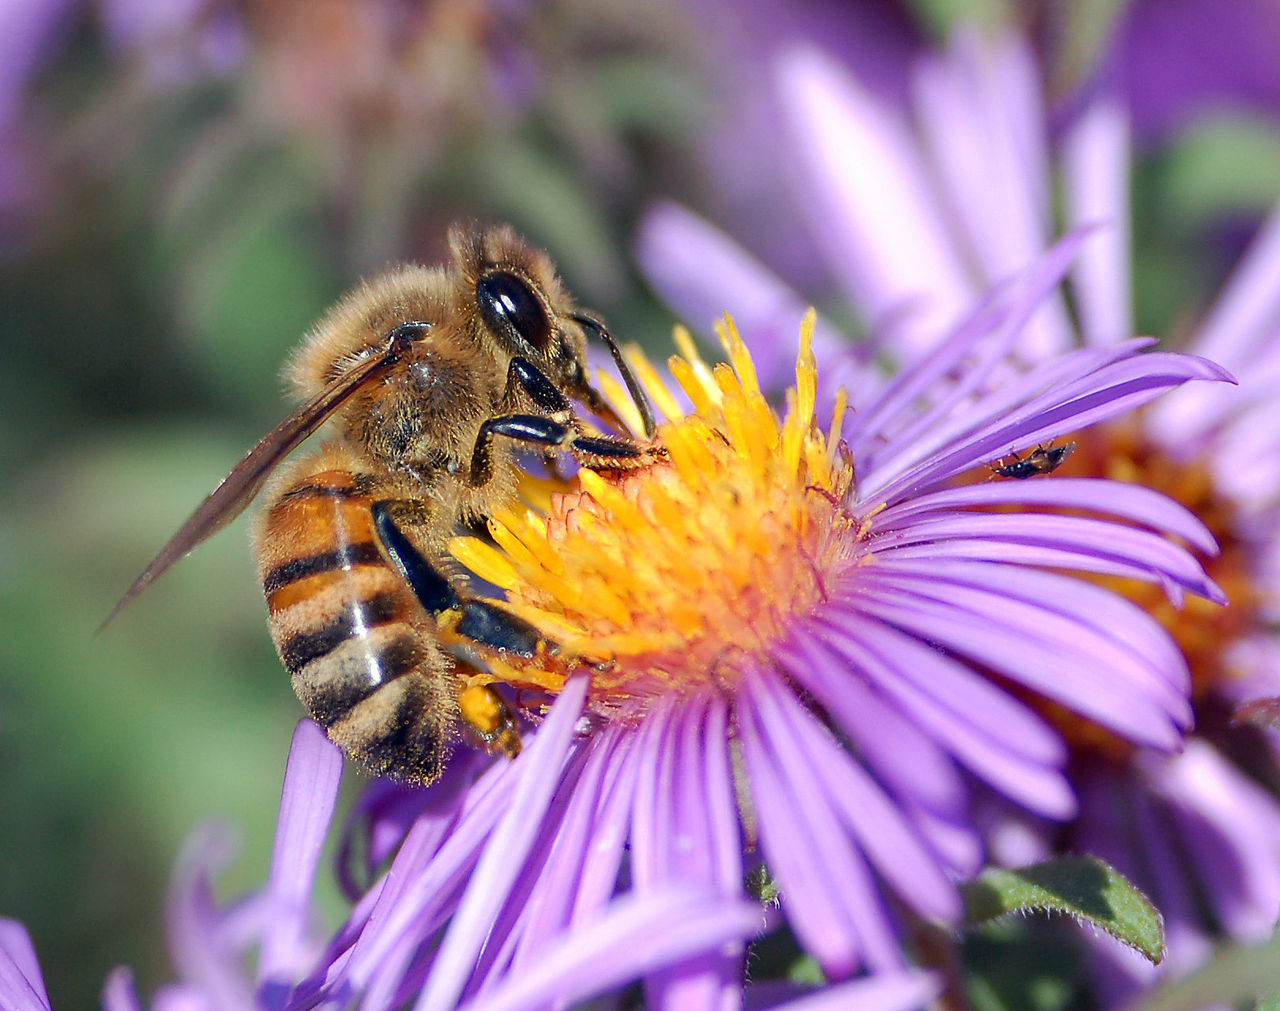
<point x="186" y="184"/>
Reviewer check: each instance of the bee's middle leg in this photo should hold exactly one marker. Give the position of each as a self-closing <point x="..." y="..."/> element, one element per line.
<point x="478" y="620"/>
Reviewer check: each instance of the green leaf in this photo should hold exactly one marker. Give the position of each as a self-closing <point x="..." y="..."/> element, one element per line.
<point x="1082" y="887"/>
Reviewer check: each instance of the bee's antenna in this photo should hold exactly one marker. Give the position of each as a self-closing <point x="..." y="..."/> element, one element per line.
<point x="638" y="396"/>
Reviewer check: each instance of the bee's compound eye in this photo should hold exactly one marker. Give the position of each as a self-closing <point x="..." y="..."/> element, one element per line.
<point x="504" y="298"/>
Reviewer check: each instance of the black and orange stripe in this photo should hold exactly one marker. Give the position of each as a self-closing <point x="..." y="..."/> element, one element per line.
<point x="350" y="631"/>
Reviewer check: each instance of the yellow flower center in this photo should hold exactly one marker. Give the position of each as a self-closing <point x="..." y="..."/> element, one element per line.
<point x="673" y="578"/>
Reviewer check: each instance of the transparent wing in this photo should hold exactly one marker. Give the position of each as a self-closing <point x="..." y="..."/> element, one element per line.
<point x="237" y="489"/>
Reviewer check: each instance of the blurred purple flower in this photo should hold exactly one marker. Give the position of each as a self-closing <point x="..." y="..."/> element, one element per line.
<point x="919" y="210"/>
<point x="175" y="41"/>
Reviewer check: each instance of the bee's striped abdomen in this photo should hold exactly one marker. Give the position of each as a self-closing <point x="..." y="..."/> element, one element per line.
<point x="349" y="630"/>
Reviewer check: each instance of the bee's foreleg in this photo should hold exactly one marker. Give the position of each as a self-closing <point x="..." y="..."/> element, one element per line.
<point x="599" y="452"/>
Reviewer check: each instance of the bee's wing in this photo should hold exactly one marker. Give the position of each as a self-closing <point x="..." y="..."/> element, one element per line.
<point x="237" y="489"/>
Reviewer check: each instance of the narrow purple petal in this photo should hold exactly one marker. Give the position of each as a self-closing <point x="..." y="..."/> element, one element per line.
<point x="702" y="274"/>
<point x="907" y="761"/>
<point x="828" y="893"/>
<point x="700" y="844"/>
<point x="867" y="188"/>
<point x="884" y="654"/>
<point x="506" y="849"/>
<point x="1138" y="551"/>
<point x="636" y="935"/>
<point x="1095" y="168"/>
<point x="955" y="416"/>
<point x="553" y="887"/>
<point x="1116" y="498"/>
<point x="982" y="118"/>
<point x="1092" y="610"/>
<point x="1103" y="394"/>
<point x="1239" y="329"/>
<point x="893" y="849"/>
<point x="798" y="859"/>
<point x="1224" y="824"/>
<point x="997" y="319"/>
<point x="120" y="992"/>
<point x="202" y="952"/>
<point x="1097" y="694"/>
<point x="1069" y="630"/>
<point x="612" y="828"/>
<point x="424" y="883"/>
<point x="312" y="776"/>
<point x="885" y="991"/>
<point x="21" y="985"/>
<point x="545" y="880"/>
<point x="1247" y="313"/>
<point x="377" y="825"/>
<point x="966" y="694"/>
<point x="1159" y="848"/>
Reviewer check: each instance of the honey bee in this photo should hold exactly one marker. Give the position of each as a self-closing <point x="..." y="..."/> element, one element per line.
<point x="1041" y="460"/>
<point x="433" y="377"/>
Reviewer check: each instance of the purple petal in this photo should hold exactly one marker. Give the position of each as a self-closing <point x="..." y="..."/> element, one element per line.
<point x="1140" y="553"/>
<point x="1099" y="695"/>
<point x="377" y="825"/>
<point x="1116" y="498"/>
<point x="907" y="761"/>
<point x="312" y="776"/>
<point x="967" y="695"/>
<point x="1241" y="326"/>
<point x="921" y="776"/>
<point x="636" y="935"/>
<point x="21" y="985"/>
<point x="1093" y="611"/>
<point x="982" y="117"/>
<point x="553" y="886"/>
<point x="702" y="274"/>
<point x="120" y="992"/>
<point x="424" y="883"/>
<point x="506" y="849"/>
<point x="998" y="319"/>
<point x="544" y="884"/>
<point x="1062" y="409"/>
<point x="611" y="831"/>
<point x="894" y="850"/>
<point x="886" y="991"/>
<point x="870" y="198"/>
<point x="1229" y="827"/>
<point x="686" y="829"/>
<point x="885" y="655"/>
<point x="828" y="893"/>
<point x="202" y="951"/>
<point x="1095" y="157"/>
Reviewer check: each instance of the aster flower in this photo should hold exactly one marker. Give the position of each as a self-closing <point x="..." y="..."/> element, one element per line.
<point x="969" y="175"/>
<point x="749" y="664"/>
